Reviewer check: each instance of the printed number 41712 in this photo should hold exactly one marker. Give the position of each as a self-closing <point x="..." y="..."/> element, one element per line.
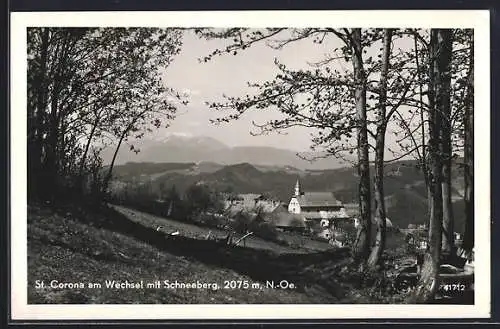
<point x="453" y="287"/>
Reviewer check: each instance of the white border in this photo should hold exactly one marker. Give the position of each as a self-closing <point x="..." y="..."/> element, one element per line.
<point x="479" y="20"/>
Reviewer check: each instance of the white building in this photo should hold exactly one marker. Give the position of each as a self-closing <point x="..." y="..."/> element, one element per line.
<point x="319" y="206"/>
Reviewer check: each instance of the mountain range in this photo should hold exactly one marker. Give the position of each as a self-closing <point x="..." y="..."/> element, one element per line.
<point x="182" y="149"/>
<point x="405" y="190"/>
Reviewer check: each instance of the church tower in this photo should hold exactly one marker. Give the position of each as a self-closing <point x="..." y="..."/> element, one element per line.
<point x="297" y="188"/>
<point x="294" y="206"/>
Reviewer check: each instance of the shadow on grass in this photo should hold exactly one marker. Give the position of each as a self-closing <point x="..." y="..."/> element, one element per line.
<point x="303" y="270"/>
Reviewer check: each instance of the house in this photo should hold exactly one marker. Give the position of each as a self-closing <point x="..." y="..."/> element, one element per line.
<point x="458" y="239"/>
<point x="422" y="227"/>
<point x="321" y="207"/>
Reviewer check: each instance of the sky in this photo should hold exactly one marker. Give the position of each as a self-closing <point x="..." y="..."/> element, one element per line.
<point x="228" y="75"/>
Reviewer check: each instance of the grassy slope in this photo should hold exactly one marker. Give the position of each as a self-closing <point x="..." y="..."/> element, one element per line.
<point x="74" y="247"/>
<point x="199" y="232"/>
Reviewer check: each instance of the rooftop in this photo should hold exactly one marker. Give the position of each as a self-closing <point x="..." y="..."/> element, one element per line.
<point x="318" y="199"/>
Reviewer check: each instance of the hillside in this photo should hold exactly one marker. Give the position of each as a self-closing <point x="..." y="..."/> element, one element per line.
<point x="82" y="246"/>
<point x="404" y="185"/>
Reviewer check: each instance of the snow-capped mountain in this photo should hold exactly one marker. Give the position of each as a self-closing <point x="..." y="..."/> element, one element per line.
<point x="186" y="148"/>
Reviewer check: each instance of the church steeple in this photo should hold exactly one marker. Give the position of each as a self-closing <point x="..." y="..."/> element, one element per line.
<point x="297" y="188"/>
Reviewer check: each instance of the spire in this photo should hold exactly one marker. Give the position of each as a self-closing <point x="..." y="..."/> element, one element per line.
<point x="297" y="188"/>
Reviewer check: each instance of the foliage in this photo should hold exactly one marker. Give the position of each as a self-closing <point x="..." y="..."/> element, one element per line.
<point x="87" y="88"/>
<point x="200" y="198"/>
<point x="199" y="203"/>
<point x="244" y="222"/>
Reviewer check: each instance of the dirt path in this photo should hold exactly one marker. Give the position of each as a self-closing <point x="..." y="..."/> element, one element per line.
<point x="197" y="232"/>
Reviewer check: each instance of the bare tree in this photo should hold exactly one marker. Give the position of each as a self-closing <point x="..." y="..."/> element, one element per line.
<point x="468" y="241"/>
<point x="376" y="253"/>
<point x="415" y="122"/>
<point x="441" y="50"/>
<point x="361" y="247"/>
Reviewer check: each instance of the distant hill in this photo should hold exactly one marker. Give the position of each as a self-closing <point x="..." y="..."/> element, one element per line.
<point x="406" y="196"/>
<point x="182" y="149"/>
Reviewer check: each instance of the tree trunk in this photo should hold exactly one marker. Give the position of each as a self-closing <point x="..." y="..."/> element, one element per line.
<point x="440" y="56"/>
<point x="361" y="248"/>
<point x="468" y="240"/>
<point x="122" y="137"/>
<point x="111" y="165"/>
<point x="448" y="239"/>
<point x="376" y="254"/>
<point x="54" y="133"/>
<point x="35" y="148"/>
<point x="51" y="161"/>
<point x="424" y="161"/>
<point x="84" y="157"/>
<point x="432" y="104"/>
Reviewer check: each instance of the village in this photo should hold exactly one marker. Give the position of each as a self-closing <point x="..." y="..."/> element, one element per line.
<point x="319" y="215"/>
<point x="314" y="213"/>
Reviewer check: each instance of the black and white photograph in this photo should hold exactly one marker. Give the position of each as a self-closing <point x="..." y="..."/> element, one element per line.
<point x="290" y="162"/>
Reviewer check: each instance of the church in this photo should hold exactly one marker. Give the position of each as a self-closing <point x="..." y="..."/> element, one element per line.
<point x="317" y="206"/>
